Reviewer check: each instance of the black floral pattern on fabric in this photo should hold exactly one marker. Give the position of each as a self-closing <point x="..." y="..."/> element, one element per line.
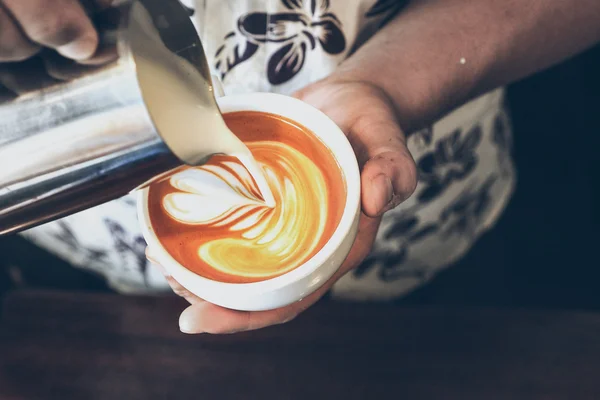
<point x="129" y="201"/>
<point x="464" y="215"/>
<point x="404" y="232"/>
<point x="502" y="139"/>
<point x="391" y="266"/>
<point x="233" y="53"/>
<point x="461" y="218"/>
<point x="389" y="7"/>
<point x="306" y="25"/>
<point x="422" y="138"/>
<point x="67" y="236"/>
<point x="454" y="158"/>
<point x="500" y="135"/>
<point x="189" y="10"/>
<point x="127" y="246"/>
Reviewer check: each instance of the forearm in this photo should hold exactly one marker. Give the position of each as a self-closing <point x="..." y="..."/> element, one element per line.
<point x="438" y="54"/>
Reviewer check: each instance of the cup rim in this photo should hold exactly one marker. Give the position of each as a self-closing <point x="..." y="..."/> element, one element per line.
<point x="344" y="155"/>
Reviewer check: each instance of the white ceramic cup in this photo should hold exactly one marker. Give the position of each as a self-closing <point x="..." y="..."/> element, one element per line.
<point x="307" y="278"/>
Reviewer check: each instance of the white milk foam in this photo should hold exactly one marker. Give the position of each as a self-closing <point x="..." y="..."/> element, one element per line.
<point x="253" y="240"/>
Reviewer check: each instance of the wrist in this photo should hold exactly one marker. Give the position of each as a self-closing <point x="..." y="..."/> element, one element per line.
<point x="366" y="86"/>
<point x="427" y="69"/>
<point x="408" y="108"/>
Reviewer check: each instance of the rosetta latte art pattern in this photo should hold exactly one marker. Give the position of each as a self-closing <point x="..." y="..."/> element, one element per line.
<point x="243" y="236"/>
<point x="213" y="220"/>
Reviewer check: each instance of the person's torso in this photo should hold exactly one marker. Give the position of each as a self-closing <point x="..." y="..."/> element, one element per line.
<point x="466" y="175"/>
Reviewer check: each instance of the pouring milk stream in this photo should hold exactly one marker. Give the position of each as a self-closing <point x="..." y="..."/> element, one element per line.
<point x="166" y="79"/>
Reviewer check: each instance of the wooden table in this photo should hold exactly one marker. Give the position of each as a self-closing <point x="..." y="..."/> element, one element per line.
<point x="84" y="346"/>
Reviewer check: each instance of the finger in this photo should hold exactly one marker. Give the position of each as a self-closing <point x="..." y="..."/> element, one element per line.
<point x="104" y="55"/>
<point x="26" y="76"/>
<point x="64" y="69"/>
<point x="177" y="288"/>
<point x="365" y="237"/>
<point x="180" y="291"/>
<point x="388" y="171"/>
<point x="14" y="46"/>
<point x="151" y="257"/>
<point x="107" y="23"/>
<point x="210" y="318"/>
<point x="59" y="24"/>
<point x="389" y="175"/>
<point x="6" y="94"/>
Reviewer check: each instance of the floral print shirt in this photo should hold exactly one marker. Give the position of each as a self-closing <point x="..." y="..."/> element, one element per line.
<point x="466" y="174"/>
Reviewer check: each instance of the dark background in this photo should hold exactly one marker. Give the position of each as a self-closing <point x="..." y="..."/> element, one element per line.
<point x="543" y="252"/>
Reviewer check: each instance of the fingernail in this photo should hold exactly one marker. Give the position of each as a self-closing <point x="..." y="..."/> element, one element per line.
<point x="234" y="331"/>
<point x="383" y="192"/>
<point x="288" y="319"/>
<point x="80" y="49"/>
<point x="189" y="321"/>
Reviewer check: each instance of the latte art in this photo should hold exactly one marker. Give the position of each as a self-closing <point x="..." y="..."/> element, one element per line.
<point x="260" y="241"/>
<point x="213" y="219"/>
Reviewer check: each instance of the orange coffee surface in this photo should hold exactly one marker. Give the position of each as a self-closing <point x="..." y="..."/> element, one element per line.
<point x="213" y="221"/>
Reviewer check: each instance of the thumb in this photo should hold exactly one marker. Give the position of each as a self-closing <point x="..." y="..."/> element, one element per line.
<point x="366" y="114"/>
<point x="389" y="174"/>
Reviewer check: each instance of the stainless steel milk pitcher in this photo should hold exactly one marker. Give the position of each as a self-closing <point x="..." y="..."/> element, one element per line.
<point x="90" y="139"/>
